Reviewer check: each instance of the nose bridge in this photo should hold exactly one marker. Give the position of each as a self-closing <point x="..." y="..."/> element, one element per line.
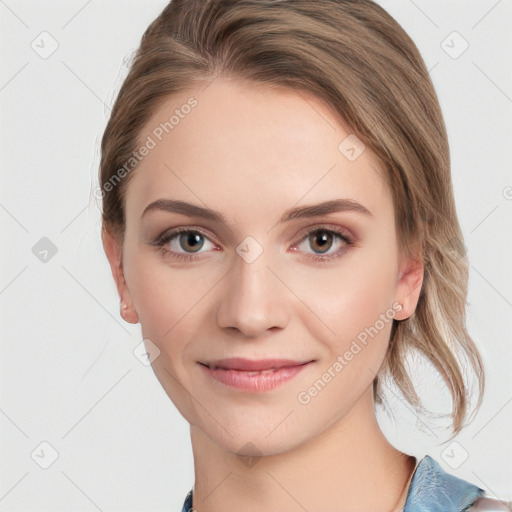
<point x="253" y="300"/>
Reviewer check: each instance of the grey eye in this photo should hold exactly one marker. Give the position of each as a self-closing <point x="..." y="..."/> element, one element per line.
<point x="191" y="241"/>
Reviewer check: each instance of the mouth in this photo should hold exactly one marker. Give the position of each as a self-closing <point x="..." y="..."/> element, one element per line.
<point x="252" y="365"/>
<point x="253" y="375"/>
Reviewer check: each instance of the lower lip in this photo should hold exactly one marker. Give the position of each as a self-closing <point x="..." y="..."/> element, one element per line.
<point x="250" y="381"/>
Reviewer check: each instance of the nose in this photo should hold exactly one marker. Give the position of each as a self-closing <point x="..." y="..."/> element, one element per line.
<point x="253" y="300"/>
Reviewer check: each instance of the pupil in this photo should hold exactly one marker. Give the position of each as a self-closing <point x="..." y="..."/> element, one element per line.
<point x="325" y="241"/>
<point x="191" y="242"/>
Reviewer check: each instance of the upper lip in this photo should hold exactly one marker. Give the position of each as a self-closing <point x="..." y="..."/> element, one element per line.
<point x="239" y="363"/>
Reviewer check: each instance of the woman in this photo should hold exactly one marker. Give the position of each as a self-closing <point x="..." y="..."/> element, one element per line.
<point x="278" y="215"/>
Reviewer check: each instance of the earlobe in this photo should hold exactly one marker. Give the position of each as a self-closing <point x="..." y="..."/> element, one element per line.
<point x="113" y="247"/>
<point x="409" y="284"/>
<point x="128" y="313"/>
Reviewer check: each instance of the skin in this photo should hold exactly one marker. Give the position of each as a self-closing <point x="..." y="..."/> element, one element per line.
<point x="252" y="154"/>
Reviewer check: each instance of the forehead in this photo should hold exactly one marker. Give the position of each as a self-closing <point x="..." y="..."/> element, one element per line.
<point x="234" y="144"/>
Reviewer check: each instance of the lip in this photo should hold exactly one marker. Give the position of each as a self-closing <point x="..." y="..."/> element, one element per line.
<point x="252" y="365"/>
<point x="253" y="375"/>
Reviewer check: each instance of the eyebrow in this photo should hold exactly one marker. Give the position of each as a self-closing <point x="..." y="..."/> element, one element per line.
<point x="333" y="206"/>
<point x="324" y="208"/>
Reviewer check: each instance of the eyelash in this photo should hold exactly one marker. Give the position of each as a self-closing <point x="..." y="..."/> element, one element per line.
<point x="166" y="237"/>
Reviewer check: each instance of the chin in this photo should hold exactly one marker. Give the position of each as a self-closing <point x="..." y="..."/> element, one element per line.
<point x="254" y="438"/>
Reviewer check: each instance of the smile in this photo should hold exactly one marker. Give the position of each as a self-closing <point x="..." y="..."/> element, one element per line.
<point x="255" y="376"/>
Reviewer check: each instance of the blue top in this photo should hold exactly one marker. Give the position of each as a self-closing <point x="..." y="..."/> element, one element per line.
<point x="431" y="489"/>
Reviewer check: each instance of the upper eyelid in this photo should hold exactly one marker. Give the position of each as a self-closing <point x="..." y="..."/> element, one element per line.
<point x="341" y="231"/>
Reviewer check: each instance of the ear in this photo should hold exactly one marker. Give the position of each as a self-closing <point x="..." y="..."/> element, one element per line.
<point x="113" y="247"/>
<point x="408" y="286"/>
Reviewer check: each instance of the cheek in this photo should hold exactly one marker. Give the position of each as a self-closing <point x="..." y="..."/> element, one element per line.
<point x="345" y="298"/>
<point x="165" y="298"/>
<point x="356" y="305"/>
<point x="170" y="307"/>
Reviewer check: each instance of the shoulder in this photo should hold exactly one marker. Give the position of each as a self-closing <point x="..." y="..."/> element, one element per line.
<point x="432" y="489"/>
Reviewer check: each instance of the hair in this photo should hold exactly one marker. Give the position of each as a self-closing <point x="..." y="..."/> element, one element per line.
<point x="353" y="55"/>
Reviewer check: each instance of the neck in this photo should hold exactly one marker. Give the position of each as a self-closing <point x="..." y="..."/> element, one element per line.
<point x="350" y="466"/>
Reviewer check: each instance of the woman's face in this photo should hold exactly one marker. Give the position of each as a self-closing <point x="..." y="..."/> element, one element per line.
<point x="288" y="250"/>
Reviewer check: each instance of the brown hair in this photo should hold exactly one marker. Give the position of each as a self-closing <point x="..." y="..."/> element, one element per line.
<point x="358" y="59"/>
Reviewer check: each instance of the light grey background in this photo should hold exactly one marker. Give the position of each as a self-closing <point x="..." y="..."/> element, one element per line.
<point x="68" y="373"/>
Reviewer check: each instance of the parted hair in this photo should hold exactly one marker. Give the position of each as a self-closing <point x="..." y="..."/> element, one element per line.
<point x="353" y="55"/>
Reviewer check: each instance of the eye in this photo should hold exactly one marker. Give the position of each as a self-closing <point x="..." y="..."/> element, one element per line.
<point x="184" y="243"/>
<point x="191" y="241"/>
<point x="320" y="241"/>
<point x="324" y="244"/>
<point x="320" y="244"/>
